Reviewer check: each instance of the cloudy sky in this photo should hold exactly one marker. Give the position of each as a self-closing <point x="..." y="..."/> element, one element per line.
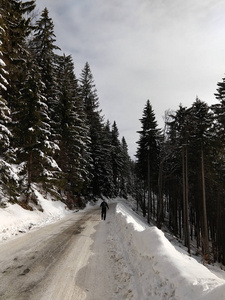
<point x="167" y="51"/>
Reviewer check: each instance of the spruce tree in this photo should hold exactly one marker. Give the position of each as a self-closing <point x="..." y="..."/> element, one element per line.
<point x="95" y="123"/>
<point x="17" y="29"/>
<point x="3" y="72"/>
<point x="117" y="162"/>
<point x="148" y="145"/>
<point x="148" y="155"/>
<point x="218" y="142"/>
<point x="200" y="140"/>
<point x="181" y="136"/>
<point x="126" y="181"/>
<point x="6" y="153"/>
<point x="73" y="156"/>
<point x="34" y="148"/>
<point x="43" y="45"/>
<point x="107" y="173"/>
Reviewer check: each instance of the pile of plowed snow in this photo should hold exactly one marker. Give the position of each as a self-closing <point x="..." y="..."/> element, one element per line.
<point x="164" y="272"/>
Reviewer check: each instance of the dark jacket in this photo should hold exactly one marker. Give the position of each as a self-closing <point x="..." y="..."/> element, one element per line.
<point x="104" y="205"/>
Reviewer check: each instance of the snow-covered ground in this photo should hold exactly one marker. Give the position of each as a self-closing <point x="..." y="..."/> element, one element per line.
<point x="158" y="269"/>
<point x="179" y="275"/>
<point x="14" y="220"/>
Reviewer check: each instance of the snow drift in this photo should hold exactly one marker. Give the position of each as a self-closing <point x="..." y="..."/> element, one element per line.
<point x="15" y="220"/>
<point x="161" y="266"/>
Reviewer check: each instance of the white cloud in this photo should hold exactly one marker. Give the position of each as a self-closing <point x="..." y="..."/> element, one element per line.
<point x="165" y="51"/>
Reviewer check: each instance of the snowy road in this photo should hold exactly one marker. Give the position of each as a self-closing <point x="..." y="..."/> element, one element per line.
<point x="84" y="258"/>
<point x="70" y="259"/>
<point x="44" y="263"/>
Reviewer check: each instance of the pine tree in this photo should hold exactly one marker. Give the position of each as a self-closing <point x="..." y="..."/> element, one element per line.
<point x="117" y="161"/>
<point x="148" y="154"/>
<point x="106" y="179"/>
<point x="6" y="157"/>
<point x="148" y="141"/>
<point x="173" y="172"/>
<point x="6" y="153"/>
<point x="95" y="124"/>
<point x="3" y="72"/>
<point x="73" y="157"/>
<point x="89" y="92"/>
<point x="180" y="133"/>
<point x="17" y="29"/>
<point x="4" y="110"/>
<point x="126" y="181"/>
<point x="34" y="148"/>
<point x="200" y="138"/>
<point x="218" y="191"/>
<point x="189" y="135"/>
<point x="43" y="45"/>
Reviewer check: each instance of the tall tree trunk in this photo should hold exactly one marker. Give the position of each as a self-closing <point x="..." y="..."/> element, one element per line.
<point x="144" y="203"/>
<point x="149" y="199"/>
<point x="185" y="198"/>
<point x="160" y="197"/>
<point x="205" y="223"/>
<point x="219" y="228"/>
<point x="29" y="176"/>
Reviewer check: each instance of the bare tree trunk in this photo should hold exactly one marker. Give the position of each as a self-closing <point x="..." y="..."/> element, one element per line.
<point x="184" y="193"/>
<point x="185" y="198"/>
<point x="144" y="204"/>
<point x="29" y="174"/>
<point x="149" y="199"/>
<point x="205" y="223"/>
<point x="186" y="203"/>
<point x="160" y="197"/>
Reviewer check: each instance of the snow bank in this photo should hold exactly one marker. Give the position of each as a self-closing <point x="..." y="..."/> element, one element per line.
<point x="145" y="259"/>
<point x="15" y="220"/>
<point x="159" y="263"/>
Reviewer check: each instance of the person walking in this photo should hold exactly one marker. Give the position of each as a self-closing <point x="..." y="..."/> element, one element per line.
<point x="104" y="205"/>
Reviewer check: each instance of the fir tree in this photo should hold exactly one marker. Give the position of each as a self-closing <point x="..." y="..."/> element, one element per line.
<point x="95" y="124"/>
<point x="88" y="92"/>
<point x="43" y="45"/>
<point x="3" y="72"/>
<point x="148" y="156"/>
<point x="200" y="145"/>
<point x="148" y="144"/>
<point x="73" y="156"/>
<point x="117" y="161"/>
<point x="125" y="186"/>
<point x="34" y="148"/>
<point x="17" y="29"/>
<point x="4" y="110"/>
<point x="7" y="178"/>
<point x="107" y="172"/>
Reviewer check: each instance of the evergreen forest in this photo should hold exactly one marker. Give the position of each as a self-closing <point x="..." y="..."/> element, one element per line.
<point x="53" y="137"/>
<point x="53" y="134"/>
